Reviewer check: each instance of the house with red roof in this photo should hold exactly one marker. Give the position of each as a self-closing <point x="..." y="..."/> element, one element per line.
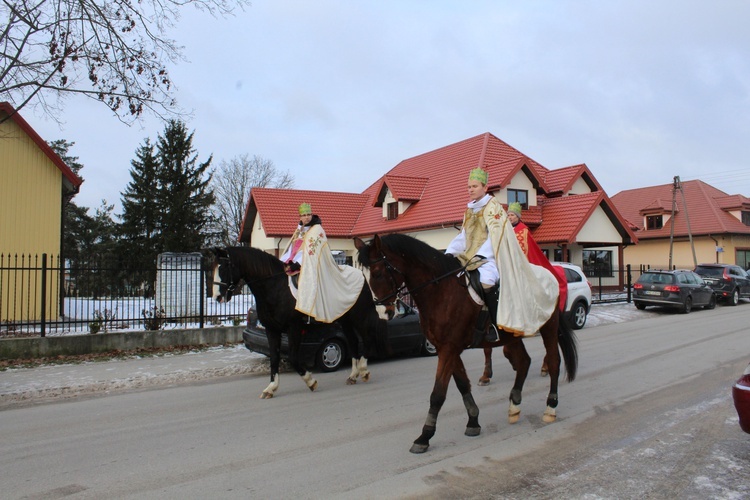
<point x="718" y="224"/>
<point x="35" y="182"/>
<point x="568" y="212"/>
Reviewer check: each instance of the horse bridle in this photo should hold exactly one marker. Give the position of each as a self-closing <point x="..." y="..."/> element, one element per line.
<point x="391" y="270"/>
<point x="398" y="289"/>
<point x="233" y="286"/>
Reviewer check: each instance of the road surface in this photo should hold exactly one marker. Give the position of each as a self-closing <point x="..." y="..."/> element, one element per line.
<point x="649" y="416"/>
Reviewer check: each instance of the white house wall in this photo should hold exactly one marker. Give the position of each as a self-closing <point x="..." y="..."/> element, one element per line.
<point x="599" y="229"/>
<point x="579" y="187"/>
<point x="522" y="182"/>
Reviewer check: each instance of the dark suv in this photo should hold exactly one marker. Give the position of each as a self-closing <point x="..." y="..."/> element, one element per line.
<point x="730" y="282"/>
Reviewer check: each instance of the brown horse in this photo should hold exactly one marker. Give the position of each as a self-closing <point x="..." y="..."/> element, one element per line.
<point x="448" y="316"/>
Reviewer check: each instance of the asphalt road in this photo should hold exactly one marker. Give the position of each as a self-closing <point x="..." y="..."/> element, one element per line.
<point x="650" y="416"/>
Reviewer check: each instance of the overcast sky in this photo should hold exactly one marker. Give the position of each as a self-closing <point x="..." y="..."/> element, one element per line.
<point x="338" y="92"/>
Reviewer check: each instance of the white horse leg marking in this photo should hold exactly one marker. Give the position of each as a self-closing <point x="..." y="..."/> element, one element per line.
<point x="215" y="288"/>
<point x="312" y="384"/>
<point x="269" y="391"/>
<point x="354" y="373"/>
<point x="363" y="371"/>
<point x="514" y="413"/>
<point x="550" y="415"/>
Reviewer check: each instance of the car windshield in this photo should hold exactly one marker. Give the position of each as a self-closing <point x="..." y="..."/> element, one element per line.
<point x="716" y="272"/>
<point x="655" y="278"/>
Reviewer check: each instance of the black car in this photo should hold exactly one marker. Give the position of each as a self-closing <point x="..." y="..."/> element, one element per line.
<point x="730" y="282"/>
<point x="680" y="288"/>
<point x="324" y="345"/>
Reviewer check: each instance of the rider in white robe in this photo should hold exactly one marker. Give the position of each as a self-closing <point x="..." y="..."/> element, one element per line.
<point x="325" y="290"/>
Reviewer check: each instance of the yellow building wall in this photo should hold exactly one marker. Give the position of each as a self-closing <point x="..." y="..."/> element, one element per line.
<point x="30" y="211"/>
<point x="656" y="253"/>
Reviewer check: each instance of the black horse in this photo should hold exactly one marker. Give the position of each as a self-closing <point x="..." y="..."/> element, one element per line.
<point x="264" y="275"/>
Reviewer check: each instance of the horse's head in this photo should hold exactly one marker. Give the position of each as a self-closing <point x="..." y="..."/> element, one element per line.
<point x="223" y="275"/>
<point x="385" y="279"/>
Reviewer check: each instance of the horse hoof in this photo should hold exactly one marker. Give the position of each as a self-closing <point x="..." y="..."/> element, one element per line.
<point x="266" y="395"/>
<point x="313" y="386"/>
<point x="351" y="381"/>
<point x="483" y="381"/>
<point x="549" y="416"/>
<point x="419" y="448"/>
<point x="472" y="431"/>
<point x="543" y="373"/>
<point x="512" y="419"/>
<point x="366" y="377"/>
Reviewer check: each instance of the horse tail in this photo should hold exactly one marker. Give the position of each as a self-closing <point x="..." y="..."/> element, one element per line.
<point x="566" y="339"/>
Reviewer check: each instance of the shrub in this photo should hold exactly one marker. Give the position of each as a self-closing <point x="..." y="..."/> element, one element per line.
<point x="154" y="318"/>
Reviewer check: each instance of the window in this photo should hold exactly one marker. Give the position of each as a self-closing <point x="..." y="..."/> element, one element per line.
<point x="746" y="218"/>
<point x="558" y="255"/>
<point x="392" y="211"/>
<point x="742" y="258"/>
<point x="654" y="222"/>
<point x="519" y="195"/>
<point x="597" y="263"/>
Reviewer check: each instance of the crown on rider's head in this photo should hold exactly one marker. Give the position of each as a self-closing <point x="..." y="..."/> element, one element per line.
<point x="480" y="175"/>
<point x="305" y="209"/>
<point x="515" y="208"/>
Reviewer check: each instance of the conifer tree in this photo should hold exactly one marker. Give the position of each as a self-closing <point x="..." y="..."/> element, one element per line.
<point x="184" y="197"/>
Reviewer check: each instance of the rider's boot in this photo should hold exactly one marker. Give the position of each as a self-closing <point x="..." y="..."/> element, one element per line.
<point x="491" y="297"/>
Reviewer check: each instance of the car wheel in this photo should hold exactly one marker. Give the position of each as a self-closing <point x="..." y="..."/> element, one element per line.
<point x="578" y="314"/>
<point x="640" y="306"/>
<point x="428" y="349"/>
<point x="734" y="299"/>
<point x="711" y="302"/>
<point x="331" y="355"/>
<point x="688" y="305"/>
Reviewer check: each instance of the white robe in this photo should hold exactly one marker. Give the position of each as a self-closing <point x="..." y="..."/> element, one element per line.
<point x="326" y="290"/>
<point x="528" y="293"/>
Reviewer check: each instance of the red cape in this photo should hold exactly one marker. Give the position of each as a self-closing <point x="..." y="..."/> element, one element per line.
<point x="537" y="257"/>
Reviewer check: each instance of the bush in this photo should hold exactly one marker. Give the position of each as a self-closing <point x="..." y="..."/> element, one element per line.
<point x="154" y="318"/>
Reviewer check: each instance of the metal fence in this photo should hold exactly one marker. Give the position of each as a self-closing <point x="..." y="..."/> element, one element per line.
<point x="42" y="295"/>
<point x="611" y="285"/>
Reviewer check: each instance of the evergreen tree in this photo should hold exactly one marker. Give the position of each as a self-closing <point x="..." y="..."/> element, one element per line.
<point x="140" y="216"/>
<point x="74" y="218"/>
<point x="184" y="198"/>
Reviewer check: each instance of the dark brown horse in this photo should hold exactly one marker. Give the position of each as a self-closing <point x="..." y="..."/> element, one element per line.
<point x="448" y="315"/>
<point x="264" y="274"/>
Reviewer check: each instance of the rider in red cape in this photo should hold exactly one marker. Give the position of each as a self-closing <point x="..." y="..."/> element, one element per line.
<point x="534" y="253"/>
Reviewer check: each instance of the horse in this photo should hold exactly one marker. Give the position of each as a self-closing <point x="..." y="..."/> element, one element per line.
<point x="448" y="316"/>
<point x="264" y="274"/>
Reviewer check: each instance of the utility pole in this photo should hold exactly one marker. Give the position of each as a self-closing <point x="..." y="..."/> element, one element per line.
<point x="677" y="186"/>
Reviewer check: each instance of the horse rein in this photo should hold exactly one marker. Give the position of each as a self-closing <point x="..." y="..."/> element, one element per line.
<point x="398" y="289"/>
<point x="233" y="286"/>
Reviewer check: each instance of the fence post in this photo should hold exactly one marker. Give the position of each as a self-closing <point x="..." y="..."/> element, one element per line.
<point x="202" y="296"/>
<point x="44" y="294"/>
<point x="630" y="281"/>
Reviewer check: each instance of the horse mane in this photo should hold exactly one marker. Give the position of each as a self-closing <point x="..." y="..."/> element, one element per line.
<point x="420" y="251"/>
<point x="258" y="262"/>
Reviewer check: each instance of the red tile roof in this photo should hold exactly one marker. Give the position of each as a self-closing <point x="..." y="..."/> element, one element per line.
<point x="444" y="198"/>
<point x="405" y="188"/>
<point x="706" y="208"/>
<point x="435" y="183"/>
<point x="279" y="216"/>
<point x="561" y="181"/>
<point x="71" y="180"/>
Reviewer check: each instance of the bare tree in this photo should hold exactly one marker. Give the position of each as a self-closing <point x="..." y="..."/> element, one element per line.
<point x="112" y="51"/>
<point x="232" y="183"/>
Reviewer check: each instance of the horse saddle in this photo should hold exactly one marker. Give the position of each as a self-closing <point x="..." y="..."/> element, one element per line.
<point x="476" y="290"/>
